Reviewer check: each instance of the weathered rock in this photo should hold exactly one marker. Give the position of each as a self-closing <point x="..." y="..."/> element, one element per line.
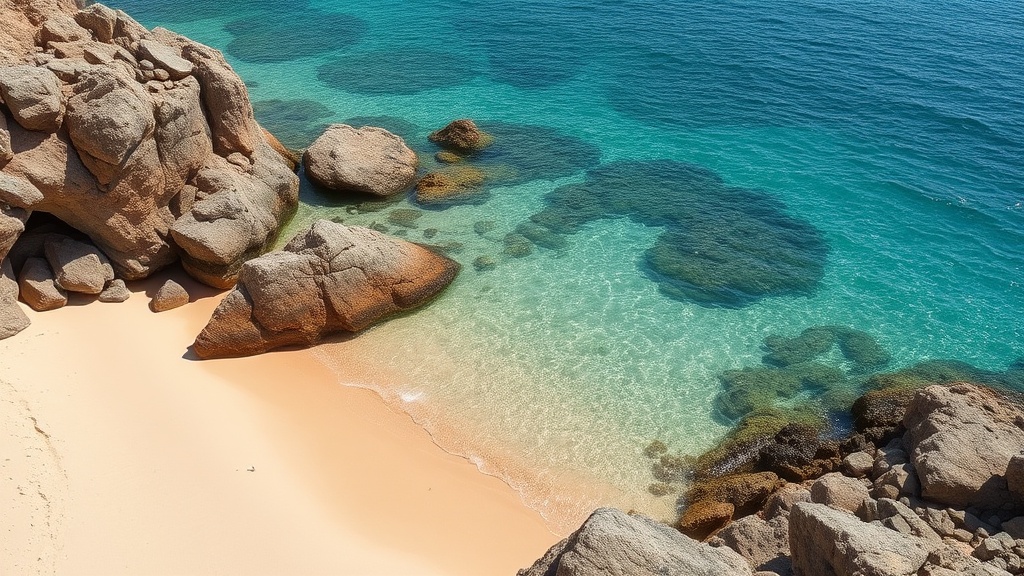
<point x="6" y="152"/>
<point x="449" y="185"/>
<point x="827" y="541"/>
<point x="782" y="500"/>
<point x="368" y="160"/>
<point x="33" y="96"/>
<point x="12" y="317"/>
<point x="705" y="517"/>
<point x="37" y="286"/>
<point x="945" y="427"/>
<point x="839" y="492"/>
<point x="612" y="543"/>
<point x="62" y="28"/>
<point x="170" y="295"/>
<point x="328" y="278"/>
<point x="98" y="19"/>
<point x="115" y="291"/>
<point x="461" y="136"/>
<point x="744" y="491"/>
<point x="858" y="464"/>
<point x="897" y="516"/>
<point x="77" y="266"/>
<point x="764" y="544"/>
<point x="166" y="58"/>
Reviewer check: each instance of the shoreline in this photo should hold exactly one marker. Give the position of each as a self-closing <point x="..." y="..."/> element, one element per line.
<point x="215" y="466"/>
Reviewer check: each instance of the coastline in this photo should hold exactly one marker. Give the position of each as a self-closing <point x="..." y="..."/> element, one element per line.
<point x="151" y="455"/>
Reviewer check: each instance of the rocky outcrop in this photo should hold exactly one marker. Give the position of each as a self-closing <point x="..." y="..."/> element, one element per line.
<point x="328" y="278"/>
<point x="116" y="291"/>
<point x="143" y="140"/>
<point x="827" y="541"/>
<point x="945" y="428"/>
<point x="461" y="136"/>
<point x="365" y="160"/>
<point x="613" y="543"/>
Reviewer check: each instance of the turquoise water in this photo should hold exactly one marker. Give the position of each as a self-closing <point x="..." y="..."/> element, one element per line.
<point x="704" y="175"/>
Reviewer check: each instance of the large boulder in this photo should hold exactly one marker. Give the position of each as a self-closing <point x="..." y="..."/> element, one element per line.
<point x="823" y="540"/>
<point x="34" y="97"/>
<point x="150" y="170"/>
<point x="328" y="278"/>
<point x="945" y="428"/>
<point x="613" y="543"/>
<point x="368" y="160"/>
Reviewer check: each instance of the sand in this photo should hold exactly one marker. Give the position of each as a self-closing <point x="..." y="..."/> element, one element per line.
<point x="121" y="454"/>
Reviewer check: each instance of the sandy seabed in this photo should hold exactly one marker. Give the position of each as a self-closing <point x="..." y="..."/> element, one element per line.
<point x="120" y="454"/>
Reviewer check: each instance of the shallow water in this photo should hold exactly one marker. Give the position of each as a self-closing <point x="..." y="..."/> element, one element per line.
<point x="863" y="168"/>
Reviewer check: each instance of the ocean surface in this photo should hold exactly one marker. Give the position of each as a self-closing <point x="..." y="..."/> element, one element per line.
<point x="689" y="178"/>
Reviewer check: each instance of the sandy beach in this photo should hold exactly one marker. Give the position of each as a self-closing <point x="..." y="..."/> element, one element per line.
<point x="122" y="455"/>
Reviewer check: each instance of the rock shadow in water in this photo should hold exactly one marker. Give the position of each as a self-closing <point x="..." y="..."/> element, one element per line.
<point x="161" y="11"/>
<point x="403" y="72"/>
<point x="265" y="37"/>
<point x="723" y="246"/>
<point x="296" y="123"/>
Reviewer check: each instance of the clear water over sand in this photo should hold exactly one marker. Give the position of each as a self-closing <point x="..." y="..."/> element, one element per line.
<point x="880" y="148"/>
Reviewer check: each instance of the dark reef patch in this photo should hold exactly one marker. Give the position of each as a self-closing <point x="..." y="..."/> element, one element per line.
<point x="266" y="37"/>
<point x="403" y="72"/>
<point x="723" y="246"/>
<point x="523" y="152"/>
<point x="296" y="123"/>
<point x="155" y="12"/>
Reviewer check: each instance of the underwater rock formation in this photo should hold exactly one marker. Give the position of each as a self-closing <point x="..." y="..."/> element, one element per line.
<point x="723" y="246"/>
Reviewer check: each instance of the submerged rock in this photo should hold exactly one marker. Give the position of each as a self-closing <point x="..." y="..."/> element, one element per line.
<point x="612" y="542"/>
<point x="461" y="136"/>
<point x="368" y="160"/>
<point x="452" y="185"/>
<point x="328" y="278"/>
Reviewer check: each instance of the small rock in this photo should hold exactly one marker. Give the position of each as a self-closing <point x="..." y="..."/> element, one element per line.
<point x="858" y="464"/>
<point x="169" y="296"/>
<point x="482" y="263"/>
<point x="146" y="65"/>
<point x="517" y="245"/>
<point x="37" y="286"/>
<point x="461" y="135"/>
<point x="161" y="75"/>
<point x="405" y="217"/>
<point x="484" y="226"/>
<point x="168" y="59"/>
<point x="115" y="291"/>
<point x="446" y="157"/>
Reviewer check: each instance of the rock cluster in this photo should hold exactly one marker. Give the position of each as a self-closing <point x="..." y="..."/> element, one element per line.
<point x="328" y="278"/>
<point x="944" y="496"/>
<point x="143" y="141"/>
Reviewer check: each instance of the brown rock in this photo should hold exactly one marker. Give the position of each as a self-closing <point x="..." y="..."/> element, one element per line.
<point x="704" y="518"/>
<point x="77" y="266"/>
<point x="461" y="136"/>
<point x="747" y="492"/>
<point x="449" y="185"/>
<point x="170" y="295"/>
<point x="33" y="96"/>
<point x="12" y="317"/>
<point x="329" y="278"/>
<point x="368" y="160"/>
<point x="840" y="492"/>
<point x="37" y="287"/>
<point x="446" y="157"/>
<point x="115" y="291"/>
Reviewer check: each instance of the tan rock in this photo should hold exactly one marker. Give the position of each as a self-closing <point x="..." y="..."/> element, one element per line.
<point x="328" y="278"/>
<point x="37" y="287"/>
<point x="77" y="266"/>
<point x="170" y="295"/>
<point x="368" y="160"/>
<point x="6" y="152"/>
<point x="62" y="28"/>
<point x="116" y="291"/>
<point x="12" y="317"/>
<point x="34" y="97"/>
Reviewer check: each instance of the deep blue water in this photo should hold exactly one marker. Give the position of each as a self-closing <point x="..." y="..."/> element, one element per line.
<point x="693" y="176"/>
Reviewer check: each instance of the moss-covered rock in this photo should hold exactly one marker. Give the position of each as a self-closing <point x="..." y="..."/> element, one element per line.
<point x="740" y="449"/>
<point x="752" y="388"/>
<point x="405" y="217"/>
<point x="517" y="245"/>
<point x="862" y="349"/>
<point x="747" y="492"/>
<point x="810" y="344"/>
<point x="704" y="518"/>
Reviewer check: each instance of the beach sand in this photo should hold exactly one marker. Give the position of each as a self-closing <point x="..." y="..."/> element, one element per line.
<point x="122" y="455"/>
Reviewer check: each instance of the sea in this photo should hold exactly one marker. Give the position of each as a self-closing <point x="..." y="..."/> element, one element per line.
<point x="672" y="186"/>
